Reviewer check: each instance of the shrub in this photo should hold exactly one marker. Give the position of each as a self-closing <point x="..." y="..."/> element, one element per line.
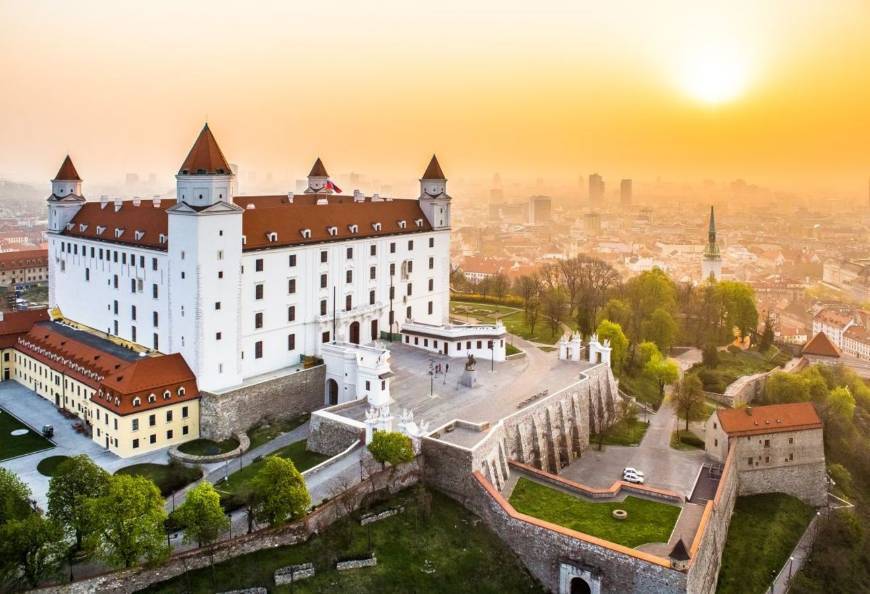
<point x="691" y="439"/>
<point x="733" y="349"/>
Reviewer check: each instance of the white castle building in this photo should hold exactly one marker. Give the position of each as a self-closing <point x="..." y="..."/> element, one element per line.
<point x="243" y="286"/>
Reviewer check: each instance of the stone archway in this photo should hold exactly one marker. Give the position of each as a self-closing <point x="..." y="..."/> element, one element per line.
<point x="578" y="578"/>
<point x="354" y="333"/>
<point x="579" y="586"/>
<point x="331" y="392"/>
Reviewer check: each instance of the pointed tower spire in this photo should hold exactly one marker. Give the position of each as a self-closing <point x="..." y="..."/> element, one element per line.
<point x="318" y="169"/>
<point x="67" y="171"/>
<point x="205" y="157"/>
<point x="433" y="171"/>
<point x="711" y="265"/>
<point x="711" y="232"/>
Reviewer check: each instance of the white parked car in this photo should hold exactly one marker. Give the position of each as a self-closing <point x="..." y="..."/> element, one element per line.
<point x="632" y="477"/>
<point x="632" y="470"/>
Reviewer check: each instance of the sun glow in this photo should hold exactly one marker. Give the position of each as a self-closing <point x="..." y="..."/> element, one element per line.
<point x="715" y="75"/>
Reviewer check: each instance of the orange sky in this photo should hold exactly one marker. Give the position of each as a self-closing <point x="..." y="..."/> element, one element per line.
<point x="524" y="88"/>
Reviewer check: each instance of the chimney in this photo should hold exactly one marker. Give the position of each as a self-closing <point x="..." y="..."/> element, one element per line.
<point x="155" y="202"/>
<point x="358" y="196"/>
<point x="377" y="198"/>
<point x="749" y="410"/>
<point x="290" y="196"/>
<point x="137" y="201"/>
<point x="104" y="200"/>
<point x="118" y="203"/>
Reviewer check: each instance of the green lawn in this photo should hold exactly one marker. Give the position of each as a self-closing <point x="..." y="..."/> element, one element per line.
<point x="511" y="349"/>
<point x="12" y="446"/>
<point x="686" y="440"/>
<point x="234" y="491"/>
<point x="48" y="466"/>
<point x="764" y="529"/>
<point x="445" y="551"/>
<point x="267" y="431"/>
<point x="642" y="388"/>
<point x="168" y="477"/>
<point x="512" y="317"/>
<point x="648" y="521"/>
<point x="207" y="447"/>
<point x="734" y="365"/>
<point x="626" y="432"/>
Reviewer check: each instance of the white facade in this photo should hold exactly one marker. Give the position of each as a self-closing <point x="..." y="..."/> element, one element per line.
<point x="234" y="311"/>
<point x="483" y="341"/>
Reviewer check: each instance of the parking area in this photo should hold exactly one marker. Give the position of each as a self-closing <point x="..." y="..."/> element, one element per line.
<point x="36" y="411"/>
<point x="664" y="467"/>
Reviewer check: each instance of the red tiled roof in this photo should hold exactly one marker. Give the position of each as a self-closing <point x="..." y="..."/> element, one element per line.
<point x="433" y="171"/>
<point x="270" y="214"/>
<point x="205" y="157"/>
<point x="67" y="171"/>
<point x="318" y="169"/>
<point x="821" y="346"/>
<point x="774" y="418"/>
<point x="17" y="323"/>
<point x="23" y="259"/>
<point x="117" y="376"/>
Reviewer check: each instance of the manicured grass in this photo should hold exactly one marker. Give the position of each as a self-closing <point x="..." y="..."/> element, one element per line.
<point x="648" y="521"/>
<point x="511" y="349"/>
<point x="207" y="447"/>
<point x="48" y="466"/>
<point x="642" y="388"/>
<point x="764" y="529"/>
<point x="265" y="432"/>
<point x="447" y="550"/>
<point x="512" y="317"/>
<point x="626" y="432"/>
<point x="168" y="477"/>
<point x="686" y="440"/>
<point x="734" y="365"/>
<point x="12" y="446"/>
<point x="234" y="491"/>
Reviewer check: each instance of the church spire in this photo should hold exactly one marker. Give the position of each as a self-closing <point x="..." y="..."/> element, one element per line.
<point x="67" y="171"/>
<point x="711" y="232"/>
<point x="711" y="265"/>
<point x="433" y="171"/>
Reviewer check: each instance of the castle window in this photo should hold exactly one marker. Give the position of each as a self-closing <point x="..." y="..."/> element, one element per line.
<point x="348" y="302"/>
<point x="431" y="242"/>
<point x="291" y="313"/>
<point x="292" y="260"/>
<point x="291" y="285"/>
<point x="167" y="395"/>
<point x="100" y="229"/>
<point x="152" y="398"/>
<point x="136" y="402"/>
<point x="353" y="229"/>
<point x="323" y="281"/>
<point x="376" y="227"/>
<point x="419" y="222"/>
<point x="373" y="273"/>
<point x="258" y="349"/>
<point x="371" y="297"/>
<point x="306" y="234"/>
<point x="348" y="276"/>
<point x="324" y="256"/>
<point x="258" y="265"/>
<point x="333" y="231"/>
<point x="349" y="253"/>
<point x="291" y="342"/>
<point x="373" y="250"/>
<point x="258" y="319"/>
<point x="402" y="224"/>
<point x="258" y="291"/>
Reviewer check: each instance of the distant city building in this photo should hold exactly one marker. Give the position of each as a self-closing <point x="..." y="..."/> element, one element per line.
<point x="592" y="222"/>
<point x="540" y="210"/>
<point x="625" y="192"/>
<point x="596" y="188"/>
<point x="131" y="179"/>
<point x="30" y="266"/>
<point x="846" y="328"/>
<point x="711" y="265"/>
<point x="850" y="276"/>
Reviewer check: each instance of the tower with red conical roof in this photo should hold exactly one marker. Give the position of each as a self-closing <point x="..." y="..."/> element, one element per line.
<point x="66" y="196"/>
<point x="205" y="177"/>
<point x="434" y="200"/>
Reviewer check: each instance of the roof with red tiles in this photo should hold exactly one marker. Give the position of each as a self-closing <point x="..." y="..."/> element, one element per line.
<point x="98" y="221"/>
<point x="205" y="157"/>
<point x="821" y="346"/>
<point x="67" y="171"/>
<point x="23" y="259"/>
<point x="17" y="323"/>
<point x="318" y="169"/>
<point x="433" y="171"/>
<point x="118" y="375"/>
<point x="773" y="418"/>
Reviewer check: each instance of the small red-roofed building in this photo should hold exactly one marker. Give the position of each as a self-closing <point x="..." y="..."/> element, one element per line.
<point x="23" y="267"/>
<point x="777" y="448"/>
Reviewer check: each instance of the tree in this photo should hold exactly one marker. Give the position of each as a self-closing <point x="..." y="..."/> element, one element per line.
<point x="76" y="480"/>
<point x="201" y="515"/>
<point x="689" y="397"/>
<point x="617" y="311"/>
<point x="128" y="521"/>
<point x="554" y="306"/>
<point x="32" y="547"/>
<point x="785" y="387"/>
<point x="662" y="371"/>
<point x="710" y="356"/>
<point x="612" y="331"/>
<point x="14" y="497"/>
<point x="279" y="492"/>
<point x="646" y="293"/>
<point x="533" y="309"/>
<point x="766" y="335"/>
<point x="738" y="302"/>
<point x="661" y="329"/>
<point x="841" y="406"/>
<point x="391" y="447"/>
<point x="500" y="285"/>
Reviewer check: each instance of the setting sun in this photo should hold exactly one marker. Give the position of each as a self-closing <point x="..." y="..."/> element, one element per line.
<point x="714" y="75"/>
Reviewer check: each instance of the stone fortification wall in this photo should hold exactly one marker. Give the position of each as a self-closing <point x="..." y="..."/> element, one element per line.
<point x="330" y="434"/>
<point x="544" y="547"/>
<point x="287" y="396"/>
<point x="133" y="580"/>
<point x="706" y="549"/>
<point x="804" y="481"/>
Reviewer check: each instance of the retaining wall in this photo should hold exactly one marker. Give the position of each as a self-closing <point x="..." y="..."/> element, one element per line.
<point x="284" y="397"/>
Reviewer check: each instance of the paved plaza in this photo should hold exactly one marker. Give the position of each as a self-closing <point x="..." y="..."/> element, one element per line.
<point x="500" y="391"/>
<point x="36" y="412"/>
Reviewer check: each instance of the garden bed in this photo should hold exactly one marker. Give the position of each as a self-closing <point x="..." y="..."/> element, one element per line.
<point x="169" y="478"/>
<point x="207" y="447"/>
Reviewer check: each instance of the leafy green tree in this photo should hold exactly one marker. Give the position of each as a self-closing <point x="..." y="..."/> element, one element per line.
<point x="555" y="301"/>
<point x="617" y="311"/>
<point x="766" y="340"/>
<point x="391" y="447"/>
<point x="710" y="356"/>
<point x="738" y="302"/>
<point x="785" y="387"/>
<point x="612" y="331"/>
<point x="201" y="515"/>
<point x="661" y="328"/>
<point x="14" y="497"/>
<point x="32" y="547"/>
<point x="646" y="293"/>
<point x="689" y="397"/>
<point x="128" y="521"/>
<point x="75" y="481"/>
<point x="646" y="352"/>
<point x="278" y="492"/>
<point x="662" y="371"/>
<point x="841" y="406"/>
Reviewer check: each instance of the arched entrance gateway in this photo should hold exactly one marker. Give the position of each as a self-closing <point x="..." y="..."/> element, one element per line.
<point x="332" y="391"/>
<point x="354" y="333"/>
<point x="579" y="586"/>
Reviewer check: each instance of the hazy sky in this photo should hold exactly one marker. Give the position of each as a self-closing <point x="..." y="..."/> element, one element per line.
<point x="774" y="91"/>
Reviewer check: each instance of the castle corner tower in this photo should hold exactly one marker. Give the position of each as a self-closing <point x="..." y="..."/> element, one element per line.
<point x="205" y="176"/>
<point x="434" y="200"/>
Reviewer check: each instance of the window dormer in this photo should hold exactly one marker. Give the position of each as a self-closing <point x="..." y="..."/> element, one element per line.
<point x="181" y="391"/>
<point x="82" y="227"/>
<point x="333" y="231"/>
<point x="162" y="238"/>
<point x="118" y="232"/>
<point x="354" y="229"/>
<point x="403" y="224"/>
<point x="244" y="240"/>
<point x="376" y="226"/>
<point x="137" y="401"/>
<point x="167" y="395"/>
<point x="272" y="236"/>
<point x="306" y="234"/>
<point x="419" y="222"/>
<point x="138" y="234"/>
<point x="152" y="398"/>
<point x="100" y="229"/>
<point x="69" y="226"/>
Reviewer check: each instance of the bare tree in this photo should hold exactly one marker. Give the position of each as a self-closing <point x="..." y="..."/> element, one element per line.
<point x="500" y="285"/>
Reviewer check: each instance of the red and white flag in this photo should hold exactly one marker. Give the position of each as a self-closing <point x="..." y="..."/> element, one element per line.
<point x="330" y="185"/>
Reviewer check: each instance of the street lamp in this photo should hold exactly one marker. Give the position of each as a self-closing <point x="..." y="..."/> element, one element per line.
<point x="491" y="355"/>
